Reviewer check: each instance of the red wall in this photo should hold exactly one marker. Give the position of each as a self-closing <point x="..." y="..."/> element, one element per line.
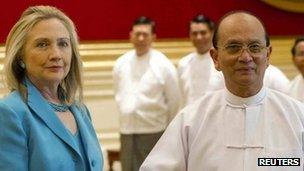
<point x="100" y="19"/>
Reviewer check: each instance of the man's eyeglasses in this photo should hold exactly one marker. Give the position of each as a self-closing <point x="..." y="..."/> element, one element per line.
<point x="254" y="49"/>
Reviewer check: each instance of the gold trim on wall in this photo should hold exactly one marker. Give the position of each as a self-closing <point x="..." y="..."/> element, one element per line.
<point x="287" y="5"/>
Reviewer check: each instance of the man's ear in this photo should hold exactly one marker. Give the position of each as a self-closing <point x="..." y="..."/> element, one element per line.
<point x="153" y="37"/>
<point x="214" y="55"/>
<point x="130" y="35"/>
<point x="268" y="54"/>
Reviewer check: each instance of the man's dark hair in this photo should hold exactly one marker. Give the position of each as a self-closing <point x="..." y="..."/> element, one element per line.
<point x="203" y="20"/>
<point x="143" y="20"/>
<point x="215" y="36"/>
<point x="293" y="49"/>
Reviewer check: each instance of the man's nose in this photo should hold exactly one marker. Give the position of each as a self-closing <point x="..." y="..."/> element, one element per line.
<point x="199" y="36"/>
<point x="245" y="55"/>
<point x="141" y="37"/>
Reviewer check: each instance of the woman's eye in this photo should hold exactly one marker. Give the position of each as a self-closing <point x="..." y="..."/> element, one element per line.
<point x="42" y="44"/>
<point x="63" y="44"/>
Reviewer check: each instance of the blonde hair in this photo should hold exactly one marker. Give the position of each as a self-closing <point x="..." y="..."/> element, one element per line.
<point x="15" y="43"/>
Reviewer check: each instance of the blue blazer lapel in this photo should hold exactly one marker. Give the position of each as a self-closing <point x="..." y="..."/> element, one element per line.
<point x="39" y="105"/>
<point x="82" y="127"/>
<point x="87" y="132"/>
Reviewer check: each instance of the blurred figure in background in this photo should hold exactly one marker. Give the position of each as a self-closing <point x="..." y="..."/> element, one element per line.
<point x="275" y="79"/>
<point x="196" y="71"/>
<point x="296" y="87"/>
<point x="44" y="126"/>
<point x="147" y="95"/>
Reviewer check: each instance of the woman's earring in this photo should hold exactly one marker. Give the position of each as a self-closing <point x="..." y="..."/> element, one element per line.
<point x="22" y="64"/>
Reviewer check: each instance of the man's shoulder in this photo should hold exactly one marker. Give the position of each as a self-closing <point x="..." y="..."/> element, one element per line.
<point x="283" y="99"/>
<point x="196" y="112"/>
<point x="289" y="107"/>
<point x="126" y="55"/>
<point x="273" y="68"/>
<point x="274" y="71"/>
<point x="185" y="59"/>
<point x="161" y="60"/>
<point x="207" y="100"/>
<point x="298" y="78"/>
<point x="124" y="58"/>
<point x="158" y="54"/>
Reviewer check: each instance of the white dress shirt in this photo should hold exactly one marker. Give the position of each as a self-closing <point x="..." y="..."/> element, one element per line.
<point x="197" y="76"/>
<point x="146" y="91"/>
<point x="275" y="79"/>
<point x="224" y="132"/>
<point x="296" y="88"/>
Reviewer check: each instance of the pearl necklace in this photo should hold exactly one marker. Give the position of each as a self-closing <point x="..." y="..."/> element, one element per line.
<point x="59" y="107"/>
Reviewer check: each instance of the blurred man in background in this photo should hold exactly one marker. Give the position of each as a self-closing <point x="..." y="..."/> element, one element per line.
<point x="296" y="88"/>
<point x="196" y="71"/>
<point x="147" y="94"/>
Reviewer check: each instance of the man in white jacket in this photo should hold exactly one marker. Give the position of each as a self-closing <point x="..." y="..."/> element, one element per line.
<point x="241" y="126"/>
<point x="196" y="70"/>
<point x="296" y="87"/>
<point x="147" y="95"/>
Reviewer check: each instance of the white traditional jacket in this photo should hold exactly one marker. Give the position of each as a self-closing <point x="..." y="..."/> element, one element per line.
<point x="146" y="91"/>
<point x="224" y="132"/>
<point x="274" y="78"/>
<point x="296" y="88"/>
<point x="197" y="76"/>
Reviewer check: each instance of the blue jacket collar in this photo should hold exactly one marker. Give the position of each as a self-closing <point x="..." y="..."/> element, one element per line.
<point x="41" y="108"/>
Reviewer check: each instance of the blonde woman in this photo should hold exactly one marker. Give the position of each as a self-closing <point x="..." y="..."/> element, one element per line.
<point x="44" y="125"/>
